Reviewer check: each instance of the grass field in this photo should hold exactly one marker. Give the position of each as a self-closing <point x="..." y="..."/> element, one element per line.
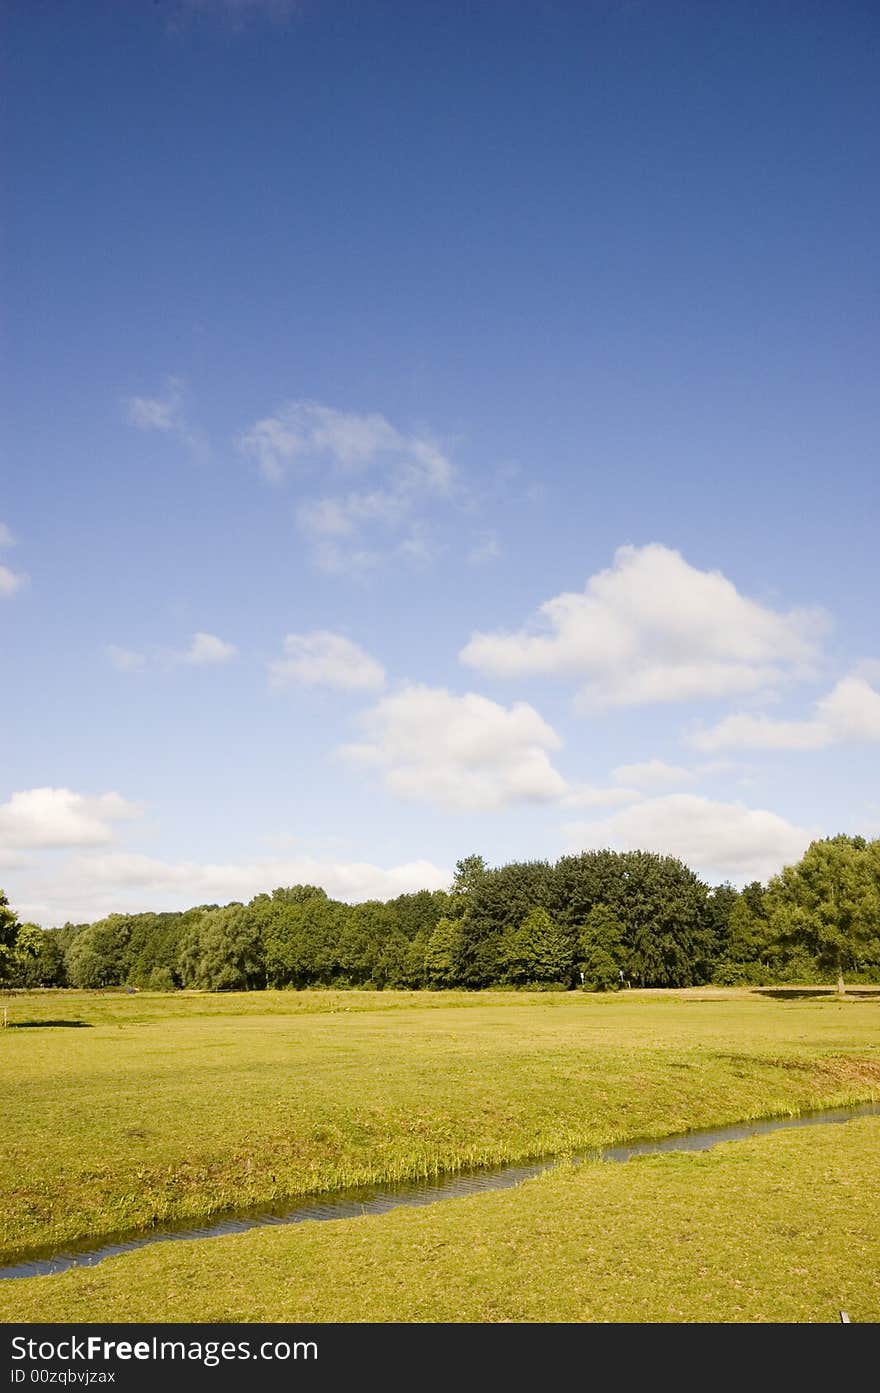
<point x="157" y="1107"/>
<point x="779" y="1228"/>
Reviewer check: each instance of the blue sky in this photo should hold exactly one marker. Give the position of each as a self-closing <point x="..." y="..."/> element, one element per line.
<point x="433" y="428"/>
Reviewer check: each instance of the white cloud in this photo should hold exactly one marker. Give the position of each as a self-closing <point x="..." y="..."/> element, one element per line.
<point x="166" y="414"/>
<point x="87" y="887"/>
<point x="326" y="659"/>
<point x="653" y="628"/>
<point x="207" y="649"/>
<point x="652" y="774"/>
<point x="399" y="474"/>
<point x="6" y="537"/>
<point x="718" y="840"/>
<point x="10" y="582"/>
<point x="461" y="752"/>
<point x="125" y="659"/>
<point x="58" y="817"/>
<point x="849" y="713"/>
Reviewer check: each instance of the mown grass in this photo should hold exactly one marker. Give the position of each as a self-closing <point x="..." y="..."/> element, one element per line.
<point x="172" y="1107"/>
<point x="779" y="1228"/>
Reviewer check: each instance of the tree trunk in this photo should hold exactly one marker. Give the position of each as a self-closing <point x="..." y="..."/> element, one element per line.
<point x="841" y="989"/>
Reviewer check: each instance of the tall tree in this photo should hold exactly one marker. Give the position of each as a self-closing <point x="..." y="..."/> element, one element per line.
<point x="223" y="951"/>
<point x="538" y="950"/>
<point x="829" y="903"/>
<point x="8" y="936"/>
<point x="98" y="956"/>
<point x="601" y="951"/>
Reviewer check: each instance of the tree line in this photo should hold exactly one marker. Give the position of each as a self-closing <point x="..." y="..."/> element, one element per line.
<point x="599" y="920"/>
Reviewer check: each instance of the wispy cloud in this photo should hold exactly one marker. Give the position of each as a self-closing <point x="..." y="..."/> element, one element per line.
<point x="485" y="548"/>
<point x="385" y="481"/>
<point x="125" y="659"/>
<point x="203" y="650"/>
<point x="325" y="659"/>
<point x="10" y="581"/>
<point x="167" y="414"/>
<point x="207" y="650"/>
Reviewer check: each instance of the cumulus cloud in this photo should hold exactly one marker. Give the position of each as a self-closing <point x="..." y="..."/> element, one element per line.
<point x="167" y="414"/>
<point x="849" y="713"/>
<point x="652" y="774"/>
<point x="325" y="659"/>
<point x="463" y="753"/>
<point x="58" y="817"/>
<point x="207" y="649"/>
<point x="87" y="887"/>
<point x="653" y="628"/>
<point x="6" y="537"/>
<point x="721" y="841"/>
<point x="384" y="478"/>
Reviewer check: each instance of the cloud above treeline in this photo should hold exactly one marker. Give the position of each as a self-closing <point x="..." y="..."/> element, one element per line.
<point x="89" y="886"/>
<point x="461" y="753"/>
<point x="719" y="840"/>
<point x="654" y="629"/>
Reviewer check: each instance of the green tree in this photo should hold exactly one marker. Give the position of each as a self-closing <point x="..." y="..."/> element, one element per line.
<point x="539" y="950"/>
<point x="223" y="951"/>
<point x="8" y="936"/>
<point x="303" y="942"/>
<point x="720" y="905"/>
<point x="443" y="953"/>
<point x="829" y="903"/>
<point x="750" y="951"/>
<point x="470" y="872"/>
<point x="98" y="956"/>
<point x="601" y="951"/>
<point x="497" y="903"/>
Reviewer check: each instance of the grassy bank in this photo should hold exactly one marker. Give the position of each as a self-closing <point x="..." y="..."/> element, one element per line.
<point x="779" y="1228"/>
<point x="157" y="1107"/>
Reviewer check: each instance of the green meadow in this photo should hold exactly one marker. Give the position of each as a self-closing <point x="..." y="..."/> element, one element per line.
<point x="121" y="1111"/>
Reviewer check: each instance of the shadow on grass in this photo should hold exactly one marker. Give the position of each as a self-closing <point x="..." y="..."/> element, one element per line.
<point x="48" y="1025"/>
<point x="808" y="993"/>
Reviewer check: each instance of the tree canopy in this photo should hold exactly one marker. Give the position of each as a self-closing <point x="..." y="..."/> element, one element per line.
<point x="592" y="919"/>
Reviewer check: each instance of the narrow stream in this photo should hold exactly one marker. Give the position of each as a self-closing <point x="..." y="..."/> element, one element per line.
<point x="351" y="1204"/>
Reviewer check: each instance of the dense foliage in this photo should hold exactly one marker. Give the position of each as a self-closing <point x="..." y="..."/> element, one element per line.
<point x="601" y="920"/>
